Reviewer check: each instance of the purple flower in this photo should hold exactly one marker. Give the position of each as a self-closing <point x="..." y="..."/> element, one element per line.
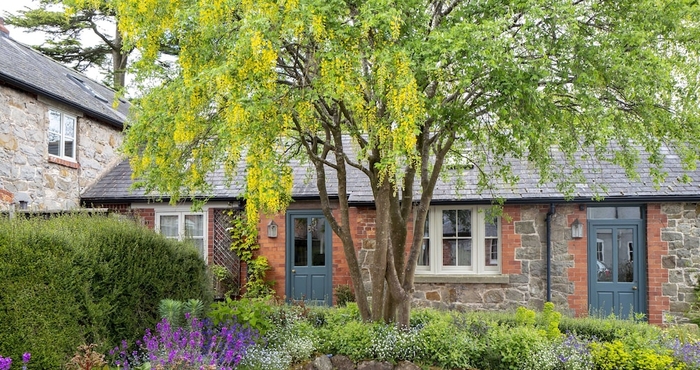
<point x="26" y="357"/>
<point x="5" y="363"/>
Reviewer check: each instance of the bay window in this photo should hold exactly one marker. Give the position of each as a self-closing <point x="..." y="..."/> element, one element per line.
<point x="460" y="240"/>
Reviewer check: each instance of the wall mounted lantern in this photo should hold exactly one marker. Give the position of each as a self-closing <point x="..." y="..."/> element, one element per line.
<point x="577" y="229"/>
<point x="272" y="229"/>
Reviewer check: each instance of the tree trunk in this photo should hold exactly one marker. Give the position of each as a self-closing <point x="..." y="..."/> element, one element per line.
<point x="119" y="60"/>
<point x="379" y="263"/>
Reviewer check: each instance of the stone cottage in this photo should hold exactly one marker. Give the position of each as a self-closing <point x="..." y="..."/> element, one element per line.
<point x="59" y="130"/>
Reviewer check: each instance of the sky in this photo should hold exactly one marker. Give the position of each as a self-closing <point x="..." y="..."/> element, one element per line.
<point x="13" y="6"/>
<point x="36" y="38"/>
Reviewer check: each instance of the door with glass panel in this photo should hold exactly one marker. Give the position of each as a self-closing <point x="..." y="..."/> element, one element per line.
<point x="616" y="266"/>
<point x="309" y="258"/>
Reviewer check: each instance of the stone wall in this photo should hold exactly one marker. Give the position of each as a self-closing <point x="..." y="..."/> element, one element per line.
<point x="682" y="261"/>
<point x="27" y="170"/>
<point x="523" y="263"/>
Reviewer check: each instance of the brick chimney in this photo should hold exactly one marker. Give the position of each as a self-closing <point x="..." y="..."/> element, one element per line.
<point x="3" y="30"/>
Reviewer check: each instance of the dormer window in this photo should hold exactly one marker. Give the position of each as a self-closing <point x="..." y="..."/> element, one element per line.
<point x="62" y="128"/>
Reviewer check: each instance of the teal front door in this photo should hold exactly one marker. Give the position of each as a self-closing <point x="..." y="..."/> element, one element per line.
<point x="309" y="258"/>
<point x="616" y="261"/>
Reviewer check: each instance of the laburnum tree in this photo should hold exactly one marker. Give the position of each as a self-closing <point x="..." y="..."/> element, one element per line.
<point x="394" y="90"/>
<point x="64" y="30"/>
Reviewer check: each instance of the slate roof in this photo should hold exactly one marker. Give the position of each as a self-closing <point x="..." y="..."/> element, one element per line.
<point x="115" y="185"/>
<point x="29" y="70"/>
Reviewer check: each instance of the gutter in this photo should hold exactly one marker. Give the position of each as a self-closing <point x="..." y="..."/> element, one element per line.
<point x="33" y="89"/>
<point x="549" y="251"/>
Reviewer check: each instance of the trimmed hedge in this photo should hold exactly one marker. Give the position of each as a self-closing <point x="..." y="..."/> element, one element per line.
<point x="80" y="279"/>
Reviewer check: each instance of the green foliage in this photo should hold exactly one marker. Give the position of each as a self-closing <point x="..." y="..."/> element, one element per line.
<point x="611" y="356"/>
<point x="609" y="329"/>
<point x="343" y="295"/>
<point x="254" y="312"/>
<point x="439" y="343"/>
<point x="354" y="339"/>
<point x="243" y="237"/>
<point x="507" y="347"/>
<point x="79" y="279"/>
<point x="550" y="319"/>
<point x="524" y="316"/>
<point x="244" y="244"/>
<point x="174" y="311"/>
<point x="171" y="310"/>
<point x="649" y="359"/>
<point x="257" y="286"/>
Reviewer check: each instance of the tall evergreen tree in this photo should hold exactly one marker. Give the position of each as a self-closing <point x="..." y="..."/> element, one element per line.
<point x="65" y="29"/>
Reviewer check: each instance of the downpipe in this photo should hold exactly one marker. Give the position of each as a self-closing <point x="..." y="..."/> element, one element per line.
<point x="549" y="251"/>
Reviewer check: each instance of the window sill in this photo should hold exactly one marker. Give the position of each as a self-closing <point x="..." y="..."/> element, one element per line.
<point x="463" y="279"/>
<point x="63" y="162"/>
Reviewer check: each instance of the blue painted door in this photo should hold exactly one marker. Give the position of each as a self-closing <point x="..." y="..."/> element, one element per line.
<point x="309" y="258"/>
<point x="616" y="268"/>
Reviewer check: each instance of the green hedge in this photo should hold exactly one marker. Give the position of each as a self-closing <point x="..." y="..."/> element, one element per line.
<point x="79" y="279"/>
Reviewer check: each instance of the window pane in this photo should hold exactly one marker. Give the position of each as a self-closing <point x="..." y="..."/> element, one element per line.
<point x="598" y="213"/>
<point x="68" y="149"/>
<point x="424" y="254"/>
<point x="464" y="252"/>
<point x="300" y="242"/>
<point x="54" y="143"/>
<point x="464" y="226"/>
<point x="169" y="226"/>
<point x="318" y="239"/>
<point x="625" y="242"/>
<point x="54" y="121"/>
<point x="449" y="220"/>
<point x="604" y="243"/>
<point x="69" y="124"/>
<point x="449" y="252"/>
<point x="491" y="251"/>
<point x="629" y="213"/>
<point x="194" y="226"/>
<point x="492" y="228"/>
<point x="199" y="244"/>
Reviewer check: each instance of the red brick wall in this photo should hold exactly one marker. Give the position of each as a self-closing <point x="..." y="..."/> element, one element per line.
<point x="362" y="223"/>
<point x="578" y="273"/>
<point x="657" y="275"/>
<point x="510" y="240"/>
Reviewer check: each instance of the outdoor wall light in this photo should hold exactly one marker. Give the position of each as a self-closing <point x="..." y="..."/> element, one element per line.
<point x="272" y="229"/>
<point x="577" y="229"/>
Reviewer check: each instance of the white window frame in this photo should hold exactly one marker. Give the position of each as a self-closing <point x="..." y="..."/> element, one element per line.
<point x="62" y="135"/>
<point x="600" y="250"/>
<point x="181" y="228"/>
<point x="478" y="257"/>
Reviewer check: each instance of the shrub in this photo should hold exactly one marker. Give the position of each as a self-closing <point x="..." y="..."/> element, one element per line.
<point x="508" y="347"/>
<point x="611" y="356"/>
<point x="254" y="312"/>
<point x="608" y="329"/>
<point x="106" y="275"/>
<point x="343" y="295"/>
<point x="438" y="343"/>
<point x="353" y="339"/>
<point x="573" y="353"/>
<point x="197" y="345"/>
